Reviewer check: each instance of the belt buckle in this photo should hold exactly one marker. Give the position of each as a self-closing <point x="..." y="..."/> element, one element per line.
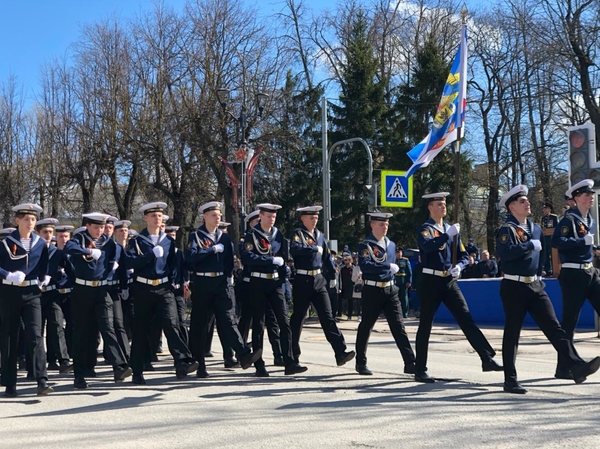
<point x="212" y="274"/>
<point x="23" y="284"/>
<point x="154" y="282"/>
<point x="444" y="273"/>
<point x="94" y="283"/>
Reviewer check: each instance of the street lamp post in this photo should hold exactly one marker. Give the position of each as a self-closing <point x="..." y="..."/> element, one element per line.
<point x="247" y="164"/>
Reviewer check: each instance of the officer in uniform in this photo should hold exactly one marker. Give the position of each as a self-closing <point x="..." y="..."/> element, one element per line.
<point x="522" y="290"/>
<point x="549" y="222"/>
<point x="263" y="253"/>
<point x="243" y="296"/>
<point x="311" y="255"/>
<point x="23" y="269"/>
<point x="403" y="280"/>
<point x="94" y="258"/>
<point x="439" y="286"/>
<point x="377" y="262"/>
<point x="121" y="237"/>
<point x="152" y="256"/>
<point x="578" y="279"/>
<point x="56" y="344"/>
<point x="209" y="257"/>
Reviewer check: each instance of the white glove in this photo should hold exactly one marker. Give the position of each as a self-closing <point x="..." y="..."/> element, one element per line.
<point x="115" y="266"/>
<point x="455" y="271"/>
<point x="589" y="239"/>
<point x="278" y="261"/>
<point x="332" y="283"/>
<point x="537" y="245"/>
<point x="230" y="281"/>
<point x="124" y="294"/>
<point x="46" y="281"/>
<point x="320" y="249"/>
<point x="96" y="253"/>
<point x="394" y="268"/>
<point x="218" y="248"/>
<point x="16" y="277"/>
<point x="453" y="230"/>
<point x="158" y="251"/>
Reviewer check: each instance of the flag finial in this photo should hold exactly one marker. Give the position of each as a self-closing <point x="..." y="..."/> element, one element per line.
<point x="463" y="14"/>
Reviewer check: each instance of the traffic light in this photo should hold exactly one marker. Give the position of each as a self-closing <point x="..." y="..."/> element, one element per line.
<point x="583" y="162"/>
<point x="370" y="195"/>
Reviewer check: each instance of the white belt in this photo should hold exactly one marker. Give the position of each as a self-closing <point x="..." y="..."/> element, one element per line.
<point x="130" y="281"/>
<point x="22" y="284"/>
<point x="264" y="275"/>
<point x="379" y="284"/>
<point x="246" y="279"/>
<point x="442" y="274"/>
<point x="578" y="266"/>
<point x="64" y="291"/>
<point x="112" y="282"/>
<point x="523" y="279"/>
<point x="91" y="283"/>
<point x="213" y="274"/>
<point x="309" y="272"/>
<point x="48" y="288"/>
<point x="153" y="282"/>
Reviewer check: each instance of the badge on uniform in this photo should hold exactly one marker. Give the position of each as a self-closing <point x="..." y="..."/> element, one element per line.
<point x="504" y="238"/>
<point x="364" y="253"/>
<point x="310" y="241"/>
<point x="564" y="230"/>
<point x="249" y="246"/>
<point x="521" y="234"/>
<point x="296" y="238"/>
<point x="582" y="230"/>
<point x="425" y="234"/>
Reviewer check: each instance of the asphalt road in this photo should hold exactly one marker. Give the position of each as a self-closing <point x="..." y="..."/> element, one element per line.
<point x="326" y="407"/>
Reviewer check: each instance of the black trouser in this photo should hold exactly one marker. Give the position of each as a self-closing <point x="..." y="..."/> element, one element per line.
<point x="246" y="320"/>
<point x="577" y="286"/>
<point x="548" y="255"/>
<point x="263" y="292"/>
<point x="436" y="290"/>
<point x="127" y="307"/>
<point x="307" y="290"/>
<point x="374" y="301"/>
<point x="159" y="301"/>
<point x="56" y="343"/>
<point x="119" y="324"/>
<point x="181" y="306"/>
<point x="17" y="302"/>
<point x="92" y="310"/>
<point x="210" y="296"/>
<point x="228" y="352"/>
<point x="518" y="299"/>
<point x="64" y="302"/>
<point x="403" y="295"/>
<point x="333" y="298"/>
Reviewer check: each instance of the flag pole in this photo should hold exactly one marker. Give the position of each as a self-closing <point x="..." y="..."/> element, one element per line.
<point x="456" y="143"/>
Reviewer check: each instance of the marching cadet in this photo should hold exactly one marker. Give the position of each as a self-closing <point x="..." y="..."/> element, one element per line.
<point x="243" y="296"/>
<point x="117" y="284"/>
<point x="23" y="268"/>
<point x="263" y="253"/>
<point x="56" y="343"/>
<point x="549" y="222"/>
<point x="377" y="262"/>
<point x="209" y="257"/>
<point x="152" y="256"/>
<point x="439" y="286"/>
<point x="121" y="236"/>
<point x="578" y="279"/>
<point x="180" y="285"/>
<point x="312" y="257"/>
<point x="522" y="291"/>
<point x="94" y="257"/>
<point x="65" y="283"/>
<point x="403" y="279"/>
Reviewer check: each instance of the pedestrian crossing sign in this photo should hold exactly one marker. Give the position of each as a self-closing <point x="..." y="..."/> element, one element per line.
<point x="396" y="190"/>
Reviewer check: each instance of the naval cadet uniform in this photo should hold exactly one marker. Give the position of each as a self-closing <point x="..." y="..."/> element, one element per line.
<point x="312" y="257"/>
<point x="401" y="278"/>
<point x="549" y="223"/>
<point x="522" y="290"/>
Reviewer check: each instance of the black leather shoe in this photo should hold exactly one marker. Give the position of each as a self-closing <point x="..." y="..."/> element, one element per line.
<point x="149" y="366"/>
<point x="278" y="361"/>
<point x="43" y="388"/>
<point x="184" y="368"/>
<point x="294" y="368"/>
<point x="65" y="367"/>
<point x="491" y="365"/>
<point x="231" y="363"/>
<point x="363" y="370"/>
<point x="422" y="376"/>
<point x="89" y="373"/>
<point x="410" y="369"/>
<point x="121" y="373"/>
<point x="80" y="383"/>
<point x="138" y="379"/>
<point x="247" y="360"/>
<point x="201" y="373"/>
<point x="514" y="388"/>
<point x="53" y="366"/>
<point x="261" y="371"/>
<point x="344" y="357"/>
<point x="208" y="355"/>
<point x="582" y="371"/>
<point x="563" y="374"/>
<point x="10" y="392"/>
